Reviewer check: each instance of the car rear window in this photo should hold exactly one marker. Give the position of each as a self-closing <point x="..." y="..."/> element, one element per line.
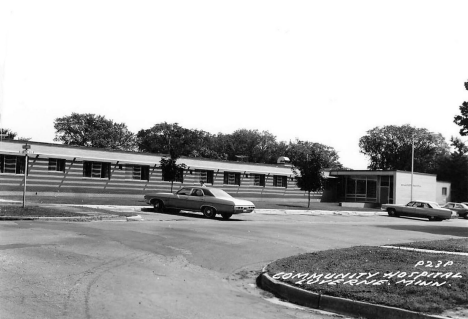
<point x="208" y="193"/>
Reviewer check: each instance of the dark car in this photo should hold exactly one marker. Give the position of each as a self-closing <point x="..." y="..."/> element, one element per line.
<point x="210" y="201"/>
<point x="460" y="208"/>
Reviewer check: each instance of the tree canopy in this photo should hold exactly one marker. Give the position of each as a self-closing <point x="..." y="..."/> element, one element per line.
<point x="390" y="148"/>
<point x="93" y="131"/>
<point x="309" y="160"/>
<point x="164" y="137"/>
<point x="171" y="170"/>
<point x="454" y="168"/>
<point x="462" y="120"/>
<point x="7" y="133"/>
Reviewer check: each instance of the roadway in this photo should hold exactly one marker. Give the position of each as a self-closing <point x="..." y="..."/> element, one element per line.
<point x="176" y="265"/>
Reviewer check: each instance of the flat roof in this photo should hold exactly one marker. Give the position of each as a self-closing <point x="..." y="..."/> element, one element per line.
<point x="372" y="173"/>
<point x="142" y="158"/>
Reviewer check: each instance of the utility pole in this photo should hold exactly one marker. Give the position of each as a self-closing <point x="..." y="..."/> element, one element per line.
<point x="26" y="149"/>
<point x="412" y="165"/>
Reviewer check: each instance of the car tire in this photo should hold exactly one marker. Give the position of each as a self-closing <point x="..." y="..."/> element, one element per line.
<point x="209" y="212"/>
<point x="158" y="206"/>
<point x="432" y="218"/>
<point x="226" y="215"/>
<point x="391" y="212"/>
<point x="465" y="216"/>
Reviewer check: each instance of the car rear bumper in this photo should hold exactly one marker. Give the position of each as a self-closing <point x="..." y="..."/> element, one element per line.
<point x="243" y="210"/>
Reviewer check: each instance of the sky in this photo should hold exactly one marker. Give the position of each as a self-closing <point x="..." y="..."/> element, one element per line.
<point x="320" y="71"/>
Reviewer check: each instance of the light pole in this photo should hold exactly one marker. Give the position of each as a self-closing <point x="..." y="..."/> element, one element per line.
<point x="26" y="148"/>
<point x="412" y="165"/>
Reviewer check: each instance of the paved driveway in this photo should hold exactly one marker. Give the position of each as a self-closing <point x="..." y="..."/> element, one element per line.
<point x="176" y="265"/>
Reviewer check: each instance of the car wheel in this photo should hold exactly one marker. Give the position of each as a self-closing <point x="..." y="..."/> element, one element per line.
<point x="391" y="212"/>
<point x="158" y="206"/>
<point x="209" y="212"/>
<point x="226" y="215"/>
<point x="465" y="216"/>
<point x="432" y="218"/>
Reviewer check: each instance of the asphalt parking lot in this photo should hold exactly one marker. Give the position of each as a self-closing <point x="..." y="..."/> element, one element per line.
<point x="177" y="265"/>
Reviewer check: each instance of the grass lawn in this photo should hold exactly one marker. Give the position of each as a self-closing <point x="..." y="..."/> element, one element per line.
<point x="53" y="211"/>
<point x="418" y="281"/>
<point x="454" y="245"/>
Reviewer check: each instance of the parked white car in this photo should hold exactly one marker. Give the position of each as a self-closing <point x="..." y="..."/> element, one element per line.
<point x="420" y="208"/>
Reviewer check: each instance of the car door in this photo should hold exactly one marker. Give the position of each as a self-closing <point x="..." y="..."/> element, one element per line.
<point x="196" y="199"/>
<point x="182" y="200"/>
<point x="424" y="210"/>
<point x="408" y="209"/>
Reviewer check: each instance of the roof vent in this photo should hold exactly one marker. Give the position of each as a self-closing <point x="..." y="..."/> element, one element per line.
<point x="283" y="160"/>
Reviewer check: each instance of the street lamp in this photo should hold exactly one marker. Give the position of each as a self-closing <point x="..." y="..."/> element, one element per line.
<point x="412" y="165"/>
<point x="26" y="151"/>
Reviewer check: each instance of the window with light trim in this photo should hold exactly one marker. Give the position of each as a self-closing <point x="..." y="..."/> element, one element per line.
<point x="231" y="178"/>
<point x="140" y="172"/>
<point x="56" y="165"/>
<point x="11" y="164"/>
<point x="259" y="179"/>
<point x="444" y="191"/>
<point x="280" y="181"/>
<point x="206" y="176"/>
<point x="96" y="169"/>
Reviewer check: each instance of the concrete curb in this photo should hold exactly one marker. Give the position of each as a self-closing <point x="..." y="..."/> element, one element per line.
<point x="338" y="305"/>
<point x="73" y="218"/>
<point x="316" y="212"/>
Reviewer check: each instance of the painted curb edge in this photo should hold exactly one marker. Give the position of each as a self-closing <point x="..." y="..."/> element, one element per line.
<point x="71" y="218"/>
<point x="338" y="305"/>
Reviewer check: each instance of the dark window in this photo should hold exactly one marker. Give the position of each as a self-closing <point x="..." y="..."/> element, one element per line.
<point x="444" y="191"/>
<point x="56" y="165"/>
<point x="259" y="179"/>
<point x="140" y="172"/>
<point x="11" y="164"/>
<point x="360" y="187"/>
<point x="280" y="181"/>
<point x="96" y="169"/>
<point x="371" y="189"/>
<point x="231" y="178"/>
<point x="206" y="177"/>
<point x="178" y="178"/>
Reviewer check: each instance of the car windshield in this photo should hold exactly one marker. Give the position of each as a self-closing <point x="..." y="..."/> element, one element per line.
<point x="219" y="193"/>
<point x="434" y="205"/>
<point x="184" y="191"/>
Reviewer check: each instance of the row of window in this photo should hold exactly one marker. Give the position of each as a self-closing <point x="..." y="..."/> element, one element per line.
<point x="16" y="164"/>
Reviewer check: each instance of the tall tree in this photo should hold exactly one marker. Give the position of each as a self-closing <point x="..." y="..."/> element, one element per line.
<point x="243" y="142"/>
<point x="298" y="148"/>
<point x="390" y="148"/>
<point x="309" y="160"/>
<point x="163" y="137"/>
<point x="170" y="169"/>
<point x="7" y="133"/>
<point x="93" y="131"/>
<point x="462" y="120"/>
<point x="454" y="168"/>
<point x="250" y="145"/>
